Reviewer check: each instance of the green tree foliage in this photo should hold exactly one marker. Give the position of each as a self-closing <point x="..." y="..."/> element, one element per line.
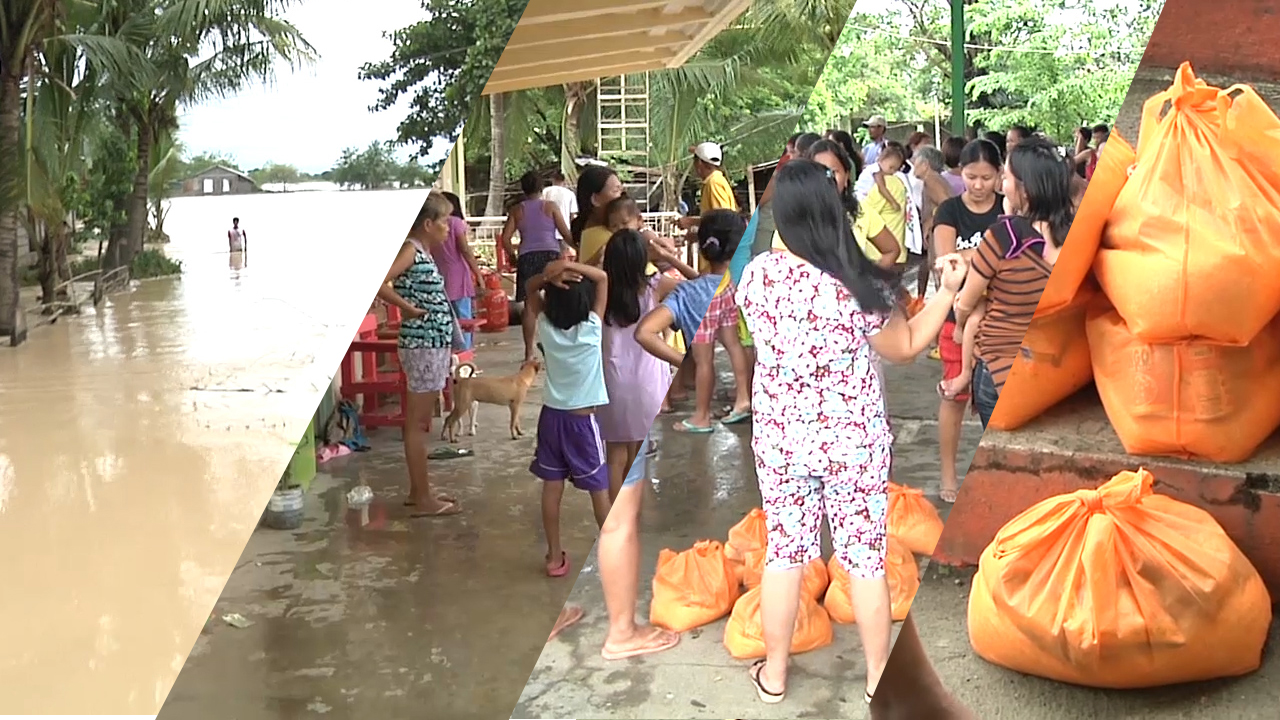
<point x="277" y="174"/>
<point x="1052" y="69"/>
<point x="443" y="63"/>
<point x="373" y="168"/>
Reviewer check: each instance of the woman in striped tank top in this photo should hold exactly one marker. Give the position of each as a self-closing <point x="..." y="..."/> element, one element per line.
<point x="1012" y="264"/>
<point x="416" y="286"/>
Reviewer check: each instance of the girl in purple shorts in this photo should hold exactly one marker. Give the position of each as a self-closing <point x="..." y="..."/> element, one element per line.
<point x="567" y="302"/>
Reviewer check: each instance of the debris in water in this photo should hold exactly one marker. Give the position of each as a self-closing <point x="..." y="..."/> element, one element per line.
<point x="236" y="620"/>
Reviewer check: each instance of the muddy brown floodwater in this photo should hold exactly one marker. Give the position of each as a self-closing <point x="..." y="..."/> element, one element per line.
<point x="139" y="442"/>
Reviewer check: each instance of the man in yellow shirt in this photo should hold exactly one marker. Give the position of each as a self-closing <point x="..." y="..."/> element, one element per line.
<point x="717" y="193"/>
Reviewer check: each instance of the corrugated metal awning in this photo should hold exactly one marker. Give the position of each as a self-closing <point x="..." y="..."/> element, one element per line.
<point x="564" y="41"/>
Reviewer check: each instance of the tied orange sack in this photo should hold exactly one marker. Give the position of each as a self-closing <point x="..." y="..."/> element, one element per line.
<point x="744" y="634"/>
<point x="693" y="588"/>
<point x="1190" y="400"/>
<point x="1075" y="262"/>
<point x="1118" y="588"/>
<point x="1053" y="364"/>
<point x="751" y="534"/>
<point x="815" y="574"/>
<point x="913" y="519"/>
<point x="1190" y="249"/>
<point x="904" y="582"/>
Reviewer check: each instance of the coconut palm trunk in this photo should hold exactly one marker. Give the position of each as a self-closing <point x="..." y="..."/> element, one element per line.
<point x="495" y="204"/>
<point x="10" y="159"/>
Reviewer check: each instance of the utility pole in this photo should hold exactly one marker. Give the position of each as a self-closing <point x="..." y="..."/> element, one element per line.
<point x="958" y="56"/>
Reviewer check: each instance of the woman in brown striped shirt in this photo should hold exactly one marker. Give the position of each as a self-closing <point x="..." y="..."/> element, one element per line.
<point x="1013" y="263"/>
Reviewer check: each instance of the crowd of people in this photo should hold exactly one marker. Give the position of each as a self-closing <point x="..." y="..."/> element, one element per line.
<point x="848" y="243"/>
<point x="831" y="296"/>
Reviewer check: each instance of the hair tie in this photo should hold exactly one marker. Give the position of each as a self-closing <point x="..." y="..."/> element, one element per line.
<point x="711" y="242"/>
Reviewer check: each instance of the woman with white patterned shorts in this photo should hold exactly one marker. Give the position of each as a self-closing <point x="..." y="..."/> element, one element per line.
<point x="820" y="314"/>
<point x="416" y="286"/>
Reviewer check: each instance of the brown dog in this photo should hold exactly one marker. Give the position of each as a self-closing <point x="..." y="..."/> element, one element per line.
<point x="469" y="391"/>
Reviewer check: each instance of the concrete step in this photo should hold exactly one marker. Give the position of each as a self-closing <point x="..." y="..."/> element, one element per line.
<point x="1073" y="447"/>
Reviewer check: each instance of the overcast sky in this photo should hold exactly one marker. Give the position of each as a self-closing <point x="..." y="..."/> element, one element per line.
<point x="307" y="117"/>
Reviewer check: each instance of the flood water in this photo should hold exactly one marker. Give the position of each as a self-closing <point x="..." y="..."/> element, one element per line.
<point x="139" y="442"/>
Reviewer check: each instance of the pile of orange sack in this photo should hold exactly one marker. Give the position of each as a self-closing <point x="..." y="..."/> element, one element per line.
<point x="1165" y="293"/>
<point x="714" y="580"/>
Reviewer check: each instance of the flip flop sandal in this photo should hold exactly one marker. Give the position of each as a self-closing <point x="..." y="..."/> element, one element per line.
<point x="948" y="496"/>
<point x="658" y="641"/>
<point x="684" y="426"/>
<point x="449" y="453"/>
<point x="441" y="498"/>
<point x="448" y="510"/>
<point x="560" y="570"/>
<point x="867" y="696"/>
<point x="653" y="449"/>
<point x="935" y="354"/>
<point x="735" y="417"/>
<point x="767" y="697"/>
<point x="573" y="618"/>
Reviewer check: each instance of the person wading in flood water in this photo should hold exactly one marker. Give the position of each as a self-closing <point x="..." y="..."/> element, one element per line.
<point x="237" y="238"/>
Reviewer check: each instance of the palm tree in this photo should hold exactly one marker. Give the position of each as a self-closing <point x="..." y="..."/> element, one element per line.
<point x="42" y="42"/>
<point x="25" y="25"/>
<point x="199" y="50"/>
<point x="770" y="35"/>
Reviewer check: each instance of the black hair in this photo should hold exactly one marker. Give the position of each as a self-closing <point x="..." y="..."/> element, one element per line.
<point x="951" y="149"/>
<point x="625" y="260"/>
<point x="590" y="182"/>
<point x="893" y="148"/>
<point x="570" y="306"/>
<point x="805" y="140"/>
<point x="530" y="183"/>
<point x="1023" y="132"/>
<point x="623" y="206"/>
<point x="457" y="205"/>
<point x="1046" y="183"/>
<point x="981" y="150"/>
<point x="845" y="141"/>
<point x="557" y="176"/>
<point x="813" y="223"/>
<point x="1102" y="128"/>
<point x="792" y="140"/>
<point x="235" y="220"/>
<point x="719" y="233"/>
<point x="999" y="140"/>
<point x="848" y="197"/>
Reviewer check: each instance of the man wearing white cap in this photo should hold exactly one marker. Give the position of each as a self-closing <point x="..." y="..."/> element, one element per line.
<point x="717" y="193"/>
<point x="876" y="127"/>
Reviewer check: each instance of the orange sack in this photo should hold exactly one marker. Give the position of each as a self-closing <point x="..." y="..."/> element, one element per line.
<point x="1193" y="241"/>
<point x="904" y="581"/>
<point x="1054" y="363"/>
<point x="1191" y="400"/>
<point x="751" y="533"/>
<point x="744" y="634"/>
<point x="815" y="574"/>
<point x="693" y="588"/>
<point x="913" y="519"/>
<point x="1118" y="588"/>
<point x="1075" y="261"/>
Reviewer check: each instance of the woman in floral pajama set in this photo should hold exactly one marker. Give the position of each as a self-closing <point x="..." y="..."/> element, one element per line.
<point x="820" y="314"/>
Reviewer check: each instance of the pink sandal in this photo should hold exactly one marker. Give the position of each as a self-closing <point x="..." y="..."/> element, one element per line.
<point x="561" y="569"/>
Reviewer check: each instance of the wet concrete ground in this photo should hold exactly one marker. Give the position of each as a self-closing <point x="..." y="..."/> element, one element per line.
<point x="703" y="486"/>
<point x="393" y="617"/>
